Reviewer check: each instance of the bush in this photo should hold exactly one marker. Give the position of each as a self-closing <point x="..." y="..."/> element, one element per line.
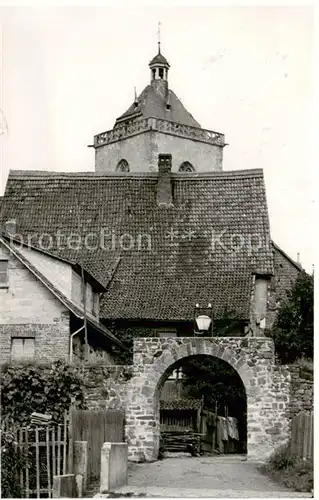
<point x="28" y="388"/>
<point x="290" y="471"/>
<point x="281" y="459"/>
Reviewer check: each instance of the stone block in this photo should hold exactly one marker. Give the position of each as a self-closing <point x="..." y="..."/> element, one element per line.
<point x="80" y="461"/>
<point x="114" y="458"/>
<point x="64" y="486"/>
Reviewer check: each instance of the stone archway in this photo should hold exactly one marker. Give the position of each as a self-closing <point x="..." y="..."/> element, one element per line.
<point x="267" y="390"/>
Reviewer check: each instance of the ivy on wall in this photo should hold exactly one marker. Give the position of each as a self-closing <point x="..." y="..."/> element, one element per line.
<point x="28" y="388"/>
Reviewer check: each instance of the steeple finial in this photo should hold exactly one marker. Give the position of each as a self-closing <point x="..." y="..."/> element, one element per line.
<point x="159" y="36"/>
<point x="135" y="98"/>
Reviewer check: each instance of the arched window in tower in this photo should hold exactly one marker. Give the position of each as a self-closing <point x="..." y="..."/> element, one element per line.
<point x="186" y="167"/>
<point x="123" y="166"/>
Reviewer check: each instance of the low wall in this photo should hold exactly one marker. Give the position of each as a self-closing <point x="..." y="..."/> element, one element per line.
<point x="114" y="457"/>
<point x="106" y="386"/>
<point x="281" y="391"/>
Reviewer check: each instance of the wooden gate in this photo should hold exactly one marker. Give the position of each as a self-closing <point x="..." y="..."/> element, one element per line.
<point x="302" y="436"/>
<point x="96" y="427"/>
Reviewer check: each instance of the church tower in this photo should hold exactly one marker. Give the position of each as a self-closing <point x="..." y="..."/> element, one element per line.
<point x="155" y="123"/>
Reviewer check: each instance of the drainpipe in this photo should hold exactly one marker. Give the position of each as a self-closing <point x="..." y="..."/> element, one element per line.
<point x="71" y="342"/>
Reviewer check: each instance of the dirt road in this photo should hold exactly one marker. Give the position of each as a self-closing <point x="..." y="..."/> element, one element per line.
<point x="229" y="476"/>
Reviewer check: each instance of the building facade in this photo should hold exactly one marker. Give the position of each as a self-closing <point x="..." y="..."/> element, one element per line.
<point x="162" y="227"/>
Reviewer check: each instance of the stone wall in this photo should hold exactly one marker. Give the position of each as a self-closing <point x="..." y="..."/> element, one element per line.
<point x="267" y="389"/>
<point x="302" y="394"/>
<point x="141" y="152"/>
<point x="26" y="300"/>
<point x="106" y="386"/>
<point x="29" y="309"/>
<point x="57" y="271"/>
<point x="274" y="392"/>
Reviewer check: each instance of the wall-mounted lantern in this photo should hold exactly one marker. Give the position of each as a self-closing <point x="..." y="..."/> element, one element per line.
<point x="203" y="320"/>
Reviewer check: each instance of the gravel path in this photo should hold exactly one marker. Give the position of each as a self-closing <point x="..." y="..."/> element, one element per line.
<point x="223" y="476"/>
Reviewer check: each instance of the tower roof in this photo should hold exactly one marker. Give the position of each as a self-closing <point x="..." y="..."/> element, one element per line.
<point x="151" y="103"/>
<point x="159" y="59"/>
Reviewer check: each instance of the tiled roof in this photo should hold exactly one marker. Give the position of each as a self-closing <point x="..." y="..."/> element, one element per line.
<point x="286" y="256"/>
<point x="78" y="312"/>
<point x="152" y="104"/>
<point x="178" y="256"/>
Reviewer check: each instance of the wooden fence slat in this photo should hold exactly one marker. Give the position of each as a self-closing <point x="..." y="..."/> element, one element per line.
<point x="64" y="444"/>
<point x="37" y="461"/>
<point x="302" y="435"/>
<point x="48" y="460"/>
<point x="306" y="438"/>
<point x="27" y="485"/>
<point x="96" y="427"/>
<point x="53" y="453"/>
<point x="59" y="452"/>
<point x="312" y="436"/>
<point x="71" y="440"/>
<point x="20" y="437"/>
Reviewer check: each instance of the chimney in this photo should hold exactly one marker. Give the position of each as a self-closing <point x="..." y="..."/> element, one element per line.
<point x="11" y="227"/>
<point x="164" y="184"/>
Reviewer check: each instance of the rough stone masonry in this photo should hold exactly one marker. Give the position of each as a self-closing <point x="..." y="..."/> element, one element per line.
<point x="268" y="390"/>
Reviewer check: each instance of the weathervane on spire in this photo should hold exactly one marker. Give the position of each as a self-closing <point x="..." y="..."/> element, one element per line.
<point x="159" y="36"/>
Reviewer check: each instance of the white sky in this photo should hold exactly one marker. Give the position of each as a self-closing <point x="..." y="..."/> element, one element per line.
<point x="68" y="72"/>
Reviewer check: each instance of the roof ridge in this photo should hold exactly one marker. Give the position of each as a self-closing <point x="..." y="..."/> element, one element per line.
<point x="116" y="175"/>
<point x="67" y="302"/>
<point x="296" y="264"/>
<point x="73" y="263"/>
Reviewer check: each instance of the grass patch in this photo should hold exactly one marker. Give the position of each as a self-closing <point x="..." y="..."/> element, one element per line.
<point x="290" y="471"/>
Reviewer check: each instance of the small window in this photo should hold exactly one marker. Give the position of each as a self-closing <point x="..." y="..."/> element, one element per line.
<point x="123" y="166"/>
<point x="22" y="349"/>
<point x="4" y="273"/>
<point x="186" y="167"/>
<point x="161" y="73"/>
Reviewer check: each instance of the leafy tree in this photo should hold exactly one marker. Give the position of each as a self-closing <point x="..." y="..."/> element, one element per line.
<point x="293" y="329"/>
<point x="215" y="381"/>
